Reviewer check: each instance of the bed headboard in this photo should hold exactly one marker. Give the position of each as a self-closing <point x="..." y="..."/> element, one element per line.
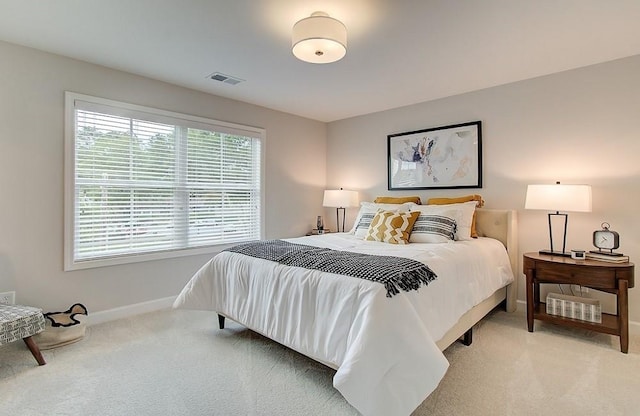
<point x="502" y="225"/>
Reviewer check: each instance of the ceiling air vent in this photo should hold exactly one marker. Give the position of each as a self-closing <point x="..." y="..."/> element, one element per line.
<point x="227" y="79"/>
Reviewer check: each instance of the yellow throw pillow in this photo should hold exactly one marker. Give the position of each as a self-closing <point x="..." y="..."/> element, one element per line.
<point x="458" y="200"/>
<point x="392" y="227"/>
<point x="397" y="200"/>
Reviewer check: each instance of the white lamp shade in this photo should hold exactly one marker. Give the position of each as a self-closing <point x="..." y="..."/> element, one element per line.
<point x="559" y="197"/>
<point x="319" y="39"/>
<point x="340" y="198"/>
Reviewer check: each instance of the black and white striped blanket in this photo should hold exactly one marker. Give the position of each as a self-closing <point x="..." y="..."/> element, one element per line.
<point x="395" y="273"/>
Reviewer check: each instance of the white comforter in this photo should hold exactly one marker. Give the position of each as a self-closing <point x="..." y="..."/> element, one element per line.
<point x="384" y="349"/>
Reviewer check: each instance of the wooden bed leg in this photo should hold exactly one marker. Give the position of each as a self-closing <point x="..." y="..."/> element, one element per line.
<point x="221" y="321"/>
<point x="467" y="338"/>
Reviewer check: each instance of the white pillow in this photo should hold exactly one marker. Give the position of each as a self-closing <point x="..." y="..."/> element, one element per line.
<point x="462" y="213"/>
<point x="368" y="210"/>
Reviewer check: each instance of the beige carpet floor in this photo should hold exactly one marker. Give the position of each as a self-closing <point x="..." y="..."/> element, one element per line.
<point x="179" y="363"/>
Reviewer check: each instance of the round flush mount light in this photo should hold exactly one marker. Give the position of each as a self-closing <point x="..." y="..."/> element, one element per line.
<point x="319" y="39"/>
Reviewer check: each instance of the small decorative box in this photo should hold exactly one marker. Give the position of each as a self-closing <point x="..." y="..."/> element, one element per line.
<point x="585" y="309"/>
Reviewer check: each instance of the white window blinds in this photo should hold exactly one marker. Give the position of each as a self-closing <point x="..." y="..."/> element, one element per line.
<point x="149" y="181"/>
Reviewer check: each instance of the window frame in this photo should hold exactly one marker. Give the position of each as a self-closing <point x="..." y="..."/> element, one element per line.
<point x="70" y="184"/>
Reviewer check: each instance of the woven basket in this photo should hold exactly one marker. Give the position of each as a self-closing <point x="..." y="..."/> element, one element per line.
<point x="63" y="328"/>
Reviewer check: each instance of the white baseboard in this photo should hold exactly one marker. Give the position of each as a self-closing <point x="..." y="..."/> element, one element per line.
<point x="164" y="303"/>
<point x="129" y="310"/>
<point x="634" y="327"/>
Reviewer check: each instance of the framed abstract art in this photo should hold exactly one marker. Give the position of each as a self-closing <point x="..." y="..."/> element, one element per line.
<point x="444" y="157"/>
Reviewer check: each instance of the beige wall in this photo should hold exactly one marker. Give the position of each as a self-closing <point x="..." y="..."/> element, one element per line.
<point x="579" y="126"/>
<point x="31" y="178"/>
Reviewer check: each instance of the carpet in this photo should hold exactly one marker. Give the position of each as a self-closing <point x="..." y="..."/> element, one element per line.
<point x="176" y="362"/>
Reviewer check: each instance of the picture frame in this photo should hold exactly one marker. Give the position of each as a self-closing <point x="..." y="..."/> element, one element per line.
<point x="446" y="157"/>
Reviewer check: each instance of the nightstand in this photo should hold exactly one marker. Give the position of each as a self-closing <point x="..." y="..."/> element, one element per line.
<point x="615" y="278"/>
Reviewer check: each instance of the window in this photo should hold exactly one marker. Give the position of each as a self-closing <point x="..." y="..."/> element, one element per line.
<point x="143" y="184"/>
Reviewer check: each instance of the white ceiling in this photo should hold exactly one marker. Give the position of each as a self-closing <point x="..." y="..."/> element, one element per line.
<point x="400" y="52"/>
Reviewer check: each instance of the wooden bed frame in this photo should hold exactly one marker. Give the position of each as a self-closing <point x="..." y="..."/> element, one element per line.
<point x="494" y="223"/>
<point x="501" y="225"/>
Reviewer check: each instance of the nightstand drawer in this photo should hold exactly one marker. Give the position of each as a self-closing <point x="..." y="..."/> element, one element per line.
<point x="595" y="277"/>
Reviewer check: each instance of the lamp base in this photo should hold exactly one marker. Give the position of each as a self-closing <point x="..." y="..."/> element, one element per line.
<point x="555" y="253"/>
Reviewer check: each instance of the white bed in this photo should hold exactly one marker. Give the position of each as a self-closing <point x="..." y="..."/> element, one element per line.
<point x="387" y="351"/>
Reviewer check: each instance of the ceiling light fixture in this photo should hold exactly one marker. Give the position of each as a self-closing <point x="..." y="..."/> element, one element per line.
<point x="319" y="39"/>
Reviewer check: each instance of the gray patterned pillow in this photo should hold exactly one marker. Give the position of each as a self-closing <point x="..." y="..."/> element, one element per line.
<point x="430" y="228"/>
<point x="363" y="224"/>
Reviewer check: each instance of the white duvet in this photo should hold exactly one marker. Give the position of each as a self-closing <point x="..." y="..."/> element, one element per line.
<point x="384" y="349"/>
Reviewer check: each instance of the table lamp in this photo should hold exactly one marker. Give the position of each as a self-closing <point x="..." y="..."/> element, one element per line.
<point x="558" y="197"/>
<point x="340" y="200"/>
